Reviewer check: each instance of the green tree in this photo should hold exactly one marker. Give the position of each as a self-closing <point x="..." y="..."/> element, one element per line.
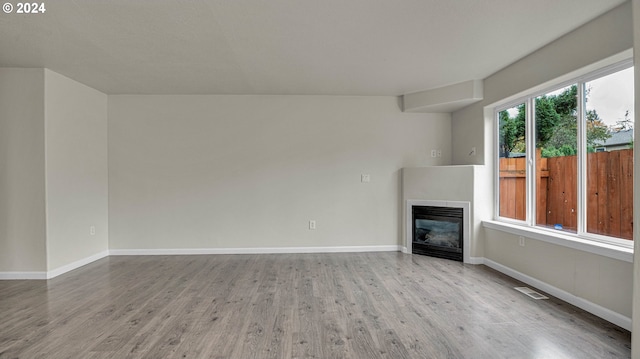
<point x="556" y="126"/>
<point x="547" y="119"/>
<point x="566" y="103"/>
<point x="512" y="131"/>
<point x="597" y="131"/>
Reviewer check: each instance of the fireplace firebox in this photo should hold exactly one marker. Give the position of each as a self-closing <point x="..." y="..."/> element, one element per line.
<point x="438" y="232"/>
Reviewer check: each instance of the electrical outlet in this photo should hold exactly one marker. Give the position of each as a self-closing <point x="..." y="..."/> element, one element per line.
<point x="434" y="153"/>
<point x="365" y="178"/>
<point x="521" y="241"/>
<point x="439" y="153"/>
<point x="92" y="230"/>
<point x="312" y="224"/>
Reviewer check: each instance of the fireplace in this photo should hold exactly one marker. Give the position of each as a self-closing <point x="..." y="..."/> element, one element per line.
<point x="438" y="228"/>
<point x="437" y="232"/>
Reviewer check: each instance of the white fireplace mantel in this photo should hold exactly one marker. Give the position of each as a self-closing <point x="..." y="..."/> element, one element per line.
<point x="459" y="185"/>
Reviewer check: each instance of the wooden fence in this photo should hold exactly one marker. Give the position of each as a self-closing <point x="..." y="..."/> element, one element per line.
<point x="609" y="192"/>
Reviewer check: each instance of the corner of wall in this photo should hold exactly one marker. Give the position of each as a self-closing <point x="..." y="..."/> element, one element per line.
<point x="22" y="203"/>
<point x="75" y="171"/>
<point x="466" y="132"/>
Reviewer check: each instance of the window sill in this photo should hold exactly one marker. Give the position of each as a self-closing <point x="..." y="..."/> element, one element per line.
<point x="565" y="240"/>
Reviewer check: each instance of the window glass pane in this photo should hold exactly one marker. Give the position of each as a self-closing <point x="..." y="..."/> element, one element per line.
<point x="609" y="123"/>
<point x="512" y="153"/>
<point x="556" y="159"/>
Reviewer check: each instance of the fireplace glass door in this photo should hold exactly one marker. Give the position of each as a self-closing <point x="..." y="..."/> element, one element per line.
<point x="437" y="232"/>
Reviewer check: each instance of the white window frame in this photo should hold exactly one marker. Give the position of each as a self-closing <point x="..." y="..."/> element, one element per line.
<point x="529" y="227"/>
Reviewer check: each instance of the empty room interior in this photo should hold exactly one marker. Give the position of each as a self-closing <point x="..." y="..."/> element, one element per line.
<point x="319" y="179"/>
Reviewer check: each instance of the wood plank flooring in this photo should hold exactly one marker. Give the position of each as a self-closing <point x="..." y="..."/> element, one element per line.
<point x="347" y="305"/>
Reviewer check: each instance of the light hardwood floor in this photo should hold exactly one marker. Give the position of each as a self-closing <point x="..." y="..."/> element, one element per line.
<point x="356" y="305"/>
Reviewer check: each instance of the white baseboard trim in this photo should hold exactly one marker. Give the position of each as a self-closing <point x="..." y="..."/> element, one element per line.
<point x="22" y="275"/>
<point x="55" y="272"/>
<point x="77" y="264"/>
<point x="595" y="309"/>
<point x="263" y="250"/>
<point x="191" y="251"/>
<point x="476" y="260"/>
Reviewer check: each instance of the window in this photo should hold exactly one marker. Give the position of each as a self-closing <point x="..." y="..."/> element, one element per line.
<point x="556" y="143"/>
<point x="609" y="173"/>
<point x="513" y="170"/>
<point x="565" y="158"/>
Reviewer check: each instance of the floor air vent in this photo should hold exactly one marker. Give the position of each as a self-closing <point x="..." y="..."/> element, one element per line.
<point x="530" y="292"/>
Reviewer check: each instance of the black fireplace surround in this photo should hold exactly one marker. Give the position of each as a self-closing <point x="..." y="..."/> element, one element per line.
<point x="437" y="232"/>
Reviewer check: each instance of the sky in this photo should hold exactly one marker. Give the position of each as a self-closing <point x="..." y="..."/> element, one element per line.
<point x="611" y="96"/>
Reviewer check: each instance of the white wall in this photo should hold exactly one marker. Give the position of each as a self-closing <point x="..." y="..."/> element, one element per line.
<point x="602" y="281"/>
<point x="606" y="36"/>
<point x="53" y="172"/>
<point x="76" y="170"/>
<point x="22" y="187"/>
<point x="251" y="171"/>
